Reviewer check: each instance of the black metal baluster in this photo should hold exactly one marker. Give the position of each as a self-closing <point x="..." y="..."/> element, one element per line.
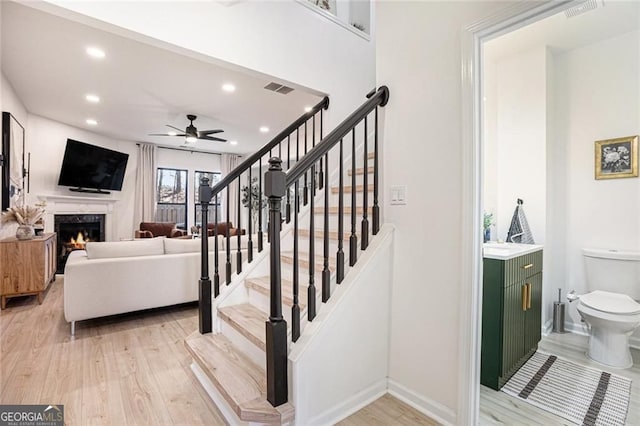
<point x="364" y="235"/>
<point x="311" y="291"/>
<point x="204" y="285"/>
<point x="340" y="254"/>
<point x="353" y="239"/>
<point x="276" y="327"/>
<point x="295" y="309"/>
<point x="216" y="274"/>
<point x="288" y="207"/>
<point x="313" y="144"/>
<point x="298" y="159"/>
<point x="228" y="265"/>
<point x="321" y="174"/>
<point x="250" y="202"/>
<point x="239" y="255"/>
<point x="326" y="273"/>
<point x="375" y="212"/>
<point x="305" y="194"/>
<point x="260" y="235"/>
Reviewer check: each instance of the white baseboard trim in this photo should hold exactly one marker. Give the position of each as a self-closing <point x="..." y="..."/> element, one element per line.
<point x="227" y="412"/>
<point x="351" y="405"/>
<point x="426" y="406"/>
<point x="581" y="329"/>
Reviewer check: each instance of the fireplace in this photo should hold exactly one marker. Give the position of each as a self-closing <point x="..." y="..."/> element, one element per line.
<point x="74" y="230"/>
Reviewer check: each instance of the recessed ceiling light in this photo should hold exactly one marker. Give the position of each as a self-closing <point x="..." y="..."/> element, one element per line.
<point x="92" y="98"/>
<point x="264" y="129"/>
<point x="228" y="87"/>
<point x="171" y="133"/>
<point x="91" y="122"/>
<point x="233" y="142"/>
<point x="307" y="109"/>
<point x="95" y="52"/>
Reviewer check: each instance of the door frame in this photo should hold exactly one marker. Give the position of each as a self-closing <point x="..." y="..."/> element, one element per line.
<point x="474" y="36"/>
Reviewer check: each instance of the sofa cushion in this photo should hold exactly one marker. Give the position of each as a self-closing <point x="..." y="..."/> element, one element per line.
<point x="111" y="249"/>
<point x="244" y="241"/>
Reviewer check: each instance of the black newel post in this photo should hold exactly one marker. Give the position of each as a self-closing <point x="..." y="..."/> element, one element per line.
<point x="276" y="327"/>
<point x="204" y="288"/>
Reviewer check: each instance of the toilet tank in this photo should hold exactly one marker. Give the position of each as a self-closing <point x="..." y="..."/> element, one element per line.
<point x="617" y="271"/>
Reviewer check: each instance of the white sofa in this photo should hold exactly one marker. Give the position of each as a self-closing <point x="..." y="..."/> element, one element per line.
<point x="109" y="278"/>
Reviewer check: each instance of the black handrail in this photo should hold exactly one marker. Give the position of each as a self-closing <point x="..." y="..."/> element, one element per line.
<point x="257" y="156"/>
<point x="380" y="98"/>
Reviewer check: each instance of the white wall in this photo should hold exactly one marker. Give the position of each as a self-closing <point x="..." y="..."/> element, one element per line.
<point x="419" y="58"/>
<point x="277" y="38"/>
<point x="11" y="103"/>
<point x="47" y="139"/>
<point x="597" y="98"/>
<point x="516" y="97"/>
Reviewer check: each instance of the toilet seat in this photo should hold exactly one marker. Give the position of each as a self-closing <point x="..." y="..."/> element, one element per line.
<point x="612" y="303"/>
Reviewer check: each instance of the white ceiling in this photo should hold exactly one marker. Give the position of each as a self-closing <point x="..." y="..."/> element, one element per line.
<point x="142" y="87"/>
<point x="611" y="18"/>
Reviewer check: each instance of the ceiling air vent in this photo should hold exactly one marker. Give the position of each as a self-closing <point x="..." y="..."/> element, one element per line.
<point x="583" y="8"/>
<point x="278" y="88"/>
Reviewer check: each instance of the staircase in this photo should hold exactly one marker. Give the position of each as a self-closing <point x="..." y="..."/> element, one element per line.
<point x="243" y="364"/>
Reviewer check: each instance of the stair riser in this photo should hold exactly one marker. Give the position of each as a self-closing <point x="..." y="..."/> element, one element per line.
<point x="262" y="302"/>
<point x="254" y="353"/>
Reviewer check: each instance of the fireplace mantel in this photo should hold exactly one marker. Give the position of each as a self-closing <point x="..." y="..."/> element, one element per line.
<point x="67" y="204"/>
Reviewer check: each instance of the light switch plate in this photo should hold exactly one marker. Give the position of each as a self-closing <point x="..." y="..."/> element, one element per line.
<point x="398" y="195"/>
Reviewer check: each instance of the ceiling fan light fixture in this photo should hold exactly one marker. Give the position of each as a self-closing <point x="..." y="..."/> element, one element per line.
<point x="191" y="139"/>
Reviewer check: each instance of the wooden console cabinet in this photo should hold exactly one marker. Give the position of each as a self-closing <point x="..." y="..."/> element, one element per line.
<point x="27" y="267"/>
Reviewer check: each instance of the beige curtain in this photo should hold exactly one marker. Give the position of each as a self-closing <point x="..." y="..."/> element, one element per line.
<point x="145" y="205"/>
<point x="228" y="163"/>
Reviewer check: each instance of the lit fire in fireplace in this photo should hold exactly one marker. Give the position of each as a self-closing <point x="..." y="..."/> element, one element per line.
<point x="78" y="242"/>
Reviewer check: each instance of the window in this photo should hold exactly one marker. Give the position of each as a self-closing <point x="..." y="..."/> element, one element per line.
<point x="214" y="177"/>
<point x="172" y="197"/>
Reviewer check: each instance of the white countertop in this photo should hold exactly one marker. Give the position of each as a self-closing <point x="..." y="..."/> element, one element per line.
<point x="506" y="251"/>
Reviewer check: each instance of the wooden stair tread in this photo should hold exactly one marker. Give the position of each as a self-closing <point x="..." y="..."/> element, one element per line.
<point x="241" y="382"/>
<point x="346" y="210"/>
<point x="333" y="235"/>
<point x="263" y="286"/>
<point x="248" y="320"/>
<point x="371" y="155"/>
<point x="360" y="170"/>
<point x="303" y="261"/>
<point x="347" y="189"/>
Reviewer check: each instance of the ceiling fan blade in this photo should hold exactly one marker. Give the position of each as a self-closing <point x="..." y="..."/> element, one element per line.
<point x="212" y="138"/>
<point x="210" y="132"/>
<point x="175" y="128"/>
<point x="164" y="134"/>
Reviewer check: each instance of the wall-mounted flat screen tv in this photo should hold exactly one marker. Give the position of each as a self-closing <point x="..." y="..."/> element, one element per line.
<point x="90" y="168"/>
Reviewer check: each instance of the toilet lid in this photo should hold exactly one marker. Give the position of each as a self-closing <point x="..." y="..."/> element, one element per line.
<point x="614" y="303"/>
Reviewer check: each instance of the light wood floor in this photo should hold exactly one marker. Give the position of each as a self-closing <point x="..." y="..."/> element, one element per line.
<point x="498" y="408"/>
<point x="123" y="370"/>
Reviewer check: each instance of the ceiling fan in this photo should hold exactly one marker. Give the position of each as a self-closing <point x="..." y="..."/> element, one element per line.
<point x="191" y="133"/>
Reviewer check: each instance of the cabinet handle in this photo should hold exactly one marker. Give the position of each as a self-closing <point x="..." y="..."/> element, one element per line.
<point x="524" y="297"/>
<point x="527" y="266"/>
<point x="528" y="295"/>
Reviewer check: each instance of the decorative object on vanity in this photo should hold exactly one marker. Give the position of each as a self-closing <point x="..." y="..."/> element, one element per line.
<point x="519" y="231"/>
<point x="26" y="217"/>
<point x="617" y="158"/>
<point x="580" y="394"/>
<point x="13" y="166"/>
<point x="487" y="221"/>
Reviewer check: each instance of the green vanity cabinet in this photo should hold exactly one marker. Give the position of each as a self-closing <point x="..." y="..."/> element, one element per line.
<point x="511" y="315"/>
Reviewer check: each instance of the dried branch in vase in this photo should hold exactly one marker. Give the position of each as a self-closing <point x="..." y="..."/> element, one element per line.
<point x="26" y="215"/>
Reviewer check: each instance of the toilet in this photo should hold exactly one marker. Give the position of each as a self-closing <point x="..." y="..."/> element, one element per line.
<point x="611" y="309"/>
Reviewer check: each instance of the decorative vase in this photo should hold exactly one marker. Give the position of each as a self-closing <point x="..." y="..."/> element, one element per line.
<point x="25" y="232"/>
<point x="487" y="234"/>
